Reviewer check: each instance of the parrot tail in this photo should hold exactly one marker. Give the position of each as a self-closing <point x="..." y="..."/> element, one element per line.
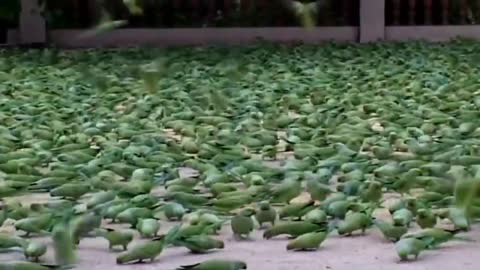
<point x="184" y="267"/>
<point x="125" y="258"/>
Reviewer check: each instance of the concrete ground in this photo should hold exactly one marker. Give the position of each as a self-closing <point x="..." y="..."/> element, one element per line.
<point x="359" y="252"/>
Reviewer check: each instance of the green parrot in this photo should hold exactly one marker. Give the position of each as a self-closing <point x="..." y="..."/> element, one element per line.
<point x="68" y="173"/>
<point x="148" y="250"/>
<point x="84" y="224"/>
<point x="420" y="148"/>
<point x="48" y="183"/>
<point x="430" y="197"/>
<point x="323" y="175"/>
<point x="436" y="184"/>
<point x="37" y="224"/>
<point x="142" y="175"/>
<point x="10" y="241"/>
<point x="16" y="184"/>
<point x="25" y="178"/>
<point x="441" y="213"/>
<point x="100" y="198"/>
<point x="235" y="193"/>
<point x="187" y="199"/>
<point x="189" y="146"/>
<point x="339" y="209"/>
<point x="315" y="216"/>
<point x="413" y="204"/>
<point x="381" y="152"/>
<point x="286" y="191"/>
<point x="34" y="250"/>
<point x="296" y="210"/>
<point x="337" y="196"/>
<point x="409" y="246"/>
<point x="317" y="190"/>
<point x="197" y="229"/>
<point x="231" y="202"/>
<point x="113" y="211"/>
<point x="145" y="251"/>
<point x="390" y="169"/>
<point x="265" y="213"/>
<point x="426" y="218"/>
<point x="438" y="169"/>
<point x="242" y="224"/>
<point x="353" y="222"/>
<point x="144" y="200"/>
<point x="346" y="168"/>
<point x="350" y="188"/>
<point x="460" y="218"/>
<point x="104" y="207"/>
<point x="173" y="211"/>
<point x="188" y="182"/>
<point x="122" y="169"/>
<point x="269" y="152"/>
<point x="343" y="150"/>
<point x="465" y="191"/>
<point x="194" y="217"/>
<point x="355" y="175"/>
<point x="63" y="244"/>
<point x="457" y="172"/>
<point x="75" y="157"/>
<point x="371" y="191"/>
<point x="293" y="229"/>
<point x="211" y="220"/>
<point x="4" y="214"/>
<point x="219" y="188"/>
<point x="432" y="236"/>
<point x="19" y="166"/>
<point x="406" y="181"/>
<point x="448" y="155"/>
<point x="132" y="188"/>
<point x="199" y="243"/>
<point x="131" y="215"/>
<point x="27" y="266"/>
<point x="215" y="265"/>
<point x="115" y="237"/>
<point x="70" y="190"/>
<point x="402" y="217"/>
<point x="466" y="160"/>
<point x="308" y="241"/>
<point x="148" y="227"/>
<point x="390" y="231"/>
<point x="6" y="191"/>
<point x="213" y="176"/>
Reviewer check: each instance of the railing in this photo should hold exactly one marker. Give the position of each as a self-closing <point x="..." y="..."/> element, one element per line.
<point x="201" y="13"/>
<point x="432" y="12"/>
<point x="182" y="22"/>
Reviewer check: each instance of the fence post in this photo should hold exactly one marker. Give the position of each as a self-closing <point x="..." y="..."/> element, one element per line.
<point x="32" y="24"/>
<point x="372" y="20"/>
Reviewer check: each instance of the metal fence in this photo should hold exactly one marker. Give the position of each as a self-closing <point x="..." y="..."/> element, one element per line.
<point x="260" y="13"/>
<point x="432" y="12"/>
<point x="182" y="22"/>
<point x="200" y="13"/>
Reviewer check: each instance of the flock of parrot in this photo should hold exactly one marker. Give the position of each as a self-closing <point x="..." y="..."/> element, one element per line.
<point x="299" y="141"/>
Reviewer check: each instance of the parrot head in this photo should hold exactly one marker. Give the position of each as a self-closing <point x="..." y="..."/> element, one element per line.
<point x="241" y="265"/>
<point x="264" y="205"/>
<point x="422" y="213"/>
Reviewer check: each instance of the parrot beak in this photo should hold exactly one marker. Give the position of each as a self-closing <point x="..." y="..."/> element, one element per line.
<point x="159" y="238"/>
